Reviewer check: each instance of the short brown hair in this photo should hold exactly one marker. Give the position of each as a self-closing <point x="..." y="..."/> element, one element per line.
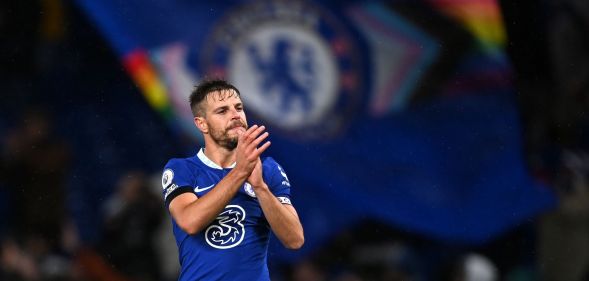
<point x="203" y="89"/>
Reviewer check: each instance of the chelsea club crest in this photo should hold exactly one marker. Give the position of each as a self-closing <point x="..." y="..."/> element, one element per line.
<point x="295" y="64"/>
<point x="249" y="189"/>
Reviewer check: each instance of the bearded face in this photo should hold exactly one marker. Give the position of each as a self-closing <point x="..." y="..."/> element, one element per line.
<point x="227" y="137"/>
<point x="224" y="118"/>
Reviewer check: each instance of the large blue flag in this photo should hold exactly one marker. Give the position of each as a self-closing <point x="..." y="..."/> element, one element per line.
<point x="401" y="112"/>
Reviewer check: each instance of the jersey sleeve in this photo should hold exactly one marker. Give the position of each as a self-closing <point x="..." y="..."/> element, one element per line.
<point x="177" y="178"/>
<point x="277" y="180"/>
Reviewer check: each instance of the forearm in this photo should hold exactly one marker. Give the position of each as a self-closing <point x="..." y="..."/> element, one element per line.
<point x="283" y="219"/>
<point x="196" y="215"/>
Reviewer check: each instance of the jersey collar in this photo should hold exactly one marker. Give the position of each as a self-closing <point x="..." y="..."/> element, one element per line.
<point x="203" y="158"/>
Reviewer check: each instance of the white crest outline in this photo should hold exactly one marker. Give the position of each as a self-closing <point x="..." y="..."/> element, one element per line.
<point x="216" y="225"/>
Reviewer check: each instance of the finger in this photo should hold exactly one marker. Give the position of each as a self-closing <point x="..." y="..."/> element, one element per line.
<point x="262" y="148"/>
<point x="244" y="135"/>
<point x="257" y="132"/>
<point x="253" y="136"/>
<point x="253" y="128"/>
<point x="249" y="130"/>
<point x="260" y="138"/>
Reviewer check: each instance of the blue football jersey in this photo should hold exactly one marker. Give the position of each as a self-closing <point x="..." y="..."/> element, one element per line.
<point x="235" y="245"/>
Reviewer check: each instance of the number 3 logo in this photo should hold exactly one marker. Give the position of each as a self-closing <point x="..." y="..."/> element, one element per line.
<point x="227" y="231"/>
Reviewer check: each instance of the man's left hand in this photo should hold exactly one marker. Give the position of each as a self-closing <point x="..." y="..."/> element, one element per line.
<point x="255" y="178"/>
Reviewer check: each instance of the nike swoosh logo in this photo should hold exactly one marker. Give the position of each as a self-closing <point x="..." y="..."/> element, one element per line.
<point x="199" y="189"/>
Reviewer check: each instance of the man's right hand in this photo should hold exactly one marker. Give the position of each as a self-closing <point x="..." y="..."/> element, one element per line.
<point x="248" y="151"/>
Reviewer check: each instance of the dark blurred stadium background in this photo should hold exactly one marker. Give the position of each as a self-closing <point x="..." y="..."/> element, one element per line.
<point x="445" y="140"/>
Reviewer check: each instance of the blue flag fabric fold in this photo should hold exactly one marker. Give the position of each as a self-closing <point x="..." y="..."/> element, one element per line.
<point x="375" y="112"/>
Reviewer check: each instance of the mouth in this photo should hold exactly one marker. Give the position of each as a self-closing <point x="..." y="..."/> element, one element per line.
<point x="237" y="126"/>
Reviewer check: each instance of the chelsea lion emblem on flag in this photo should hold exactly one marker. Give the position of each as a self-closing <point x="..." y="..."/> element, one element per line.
<point x="296" y="64"/>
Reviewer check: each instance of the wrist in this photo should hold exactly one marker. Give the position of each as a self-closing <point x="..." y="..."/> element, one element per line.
<point x="239" y="174"/>
<point x="261" y="186"/>
<point x="262" y="193"/>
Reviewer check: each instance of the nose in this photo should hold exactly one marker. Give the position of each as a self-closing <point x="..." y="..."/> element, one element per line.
<point x="235" y="114"/>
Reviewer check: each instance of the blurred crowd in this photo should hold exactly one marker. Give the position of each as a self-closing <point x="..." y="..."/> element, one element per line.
<point x="46" y="43"/>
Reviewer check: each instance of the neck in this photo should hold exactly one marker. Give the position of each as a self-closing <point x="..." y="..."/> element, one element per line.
<point x="219" y="155"/>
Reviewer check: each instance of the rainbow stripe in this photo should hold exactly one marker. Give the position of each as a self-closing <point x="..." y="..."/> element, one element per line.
<point x="481" y="17"/>
<point x="144" y="74"/>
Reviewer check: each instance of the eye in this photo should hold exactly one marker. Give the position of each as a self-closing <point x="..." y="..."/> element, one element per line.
<point x="221" y="111"/>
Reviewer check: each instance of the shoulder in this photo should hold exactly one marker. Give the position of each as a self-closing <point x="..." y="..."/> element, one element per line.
<point x="268" y="161"/>
<point x="181" y="163"/>
<point x="273" y="169"/>
<point x="179" y="176"/>
<point x="181" y="167"/>
<point x="269" y="164"/>
<point x="275" y="177"/>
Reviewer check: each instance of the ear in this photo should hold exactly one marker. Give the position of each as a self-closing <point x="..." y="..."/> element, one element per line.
<point x="201" y="124"/>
